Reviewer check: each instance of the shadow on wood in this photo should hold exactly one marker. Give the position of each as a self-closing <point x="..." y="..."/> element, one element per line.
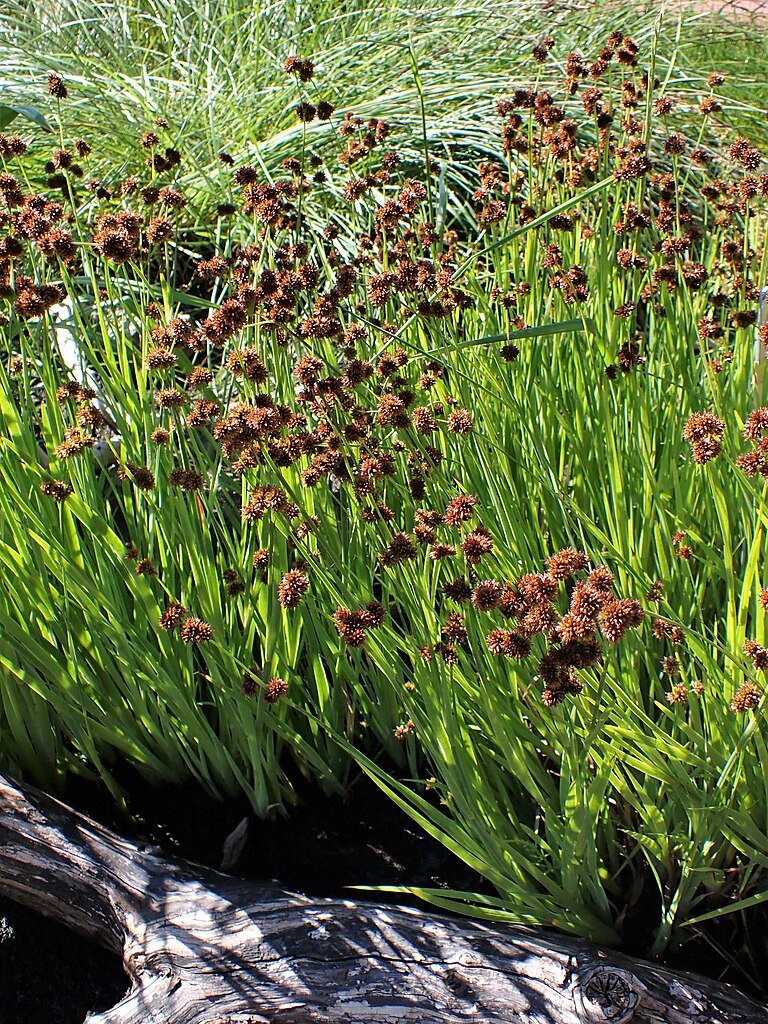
<point x="201" y="947"/>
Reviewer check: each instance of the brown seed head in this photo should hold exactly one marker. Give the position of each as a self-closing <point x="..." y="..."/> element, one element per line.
<point x="56" y="86"/>
<point x="274" y="690"/>
<point x="195" y="631"/>
<point x="172" y="616"/>
<point x="293" y="586"/>
<point x="746" y="698"/>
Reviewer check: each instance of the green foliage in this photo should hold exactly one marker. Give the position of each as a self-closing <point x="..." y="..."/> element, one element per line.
<point x="555" y="354"/>
<point x="9" y="113"/>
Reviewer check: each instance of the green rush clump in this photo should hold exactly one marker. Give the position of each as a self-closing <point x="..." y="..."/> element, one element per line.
<point x="315" y="470"/>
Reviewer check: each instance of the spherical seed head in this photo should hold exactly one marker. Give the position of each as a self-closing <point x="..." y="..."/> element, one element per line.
<point x="601" y="578"/>
<point x="74" y="443"/>
<point x="274" y="690"/>
<point x="581" y="653"/>
<point x="497" y="641"/>
<point x="447" y="652"/>
<point x="675" y="143"/>
<point x="746" y="698"/>
<point x="56" y="86"/>
<point x="195" y="631"/>
<point x="460" y="509"/>
<point x="400" y="549"/>
<point x="756" y="425"/>
<point x="261" y="560"/>
<point x="199" y="377"/>
<point x="586" y="601"/>
<point x="424" y="420"/>
<point x="58" y="490"/>
<point x="486" y="595"/>
<point x="678" y="694"/>
<point x="158" y="230"/>
<point x="741" y="151"/>
<point x="246" y="175"/>
<point x="306" y="112"/>
<point x="454" y="631"/>
<point x="540" y="618"/>
<point x="763" y="599"/>
<point x="440" y="551"/>
<point x="303" y="67"/>
<point x="476" y="544"/>
<point x="160" y="358"/>
<point x="374" y="615"/>
<point x="250" y="683"/>
<point x="172" y="616"/>
<point x="142" y="477"/>
<point x="458" y="590"/>
<point x="618" y="616"/>
<point x="518" y="645"/>
<point x="170" y="398"/>
<point x="706" y="450"/>
<point x="460" y="422"/>
<point x="232" y="583"/>
<point x="551" y="698"/>
<point x="757" y="654"/>
<point x="574" y="626"/>
<point x="160" y="436"/>
<point x="293" y="586"/>
<point x="354" y="636"/>
<point x="703" y="432"/>
<point x="12" y="145"/>
<point x="536" y="588"/>
<point x="566" y="562"/>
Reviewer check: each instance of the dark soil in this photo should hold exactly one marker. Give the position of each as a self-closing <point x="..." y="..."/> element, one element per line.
<point x="48" y="976"/>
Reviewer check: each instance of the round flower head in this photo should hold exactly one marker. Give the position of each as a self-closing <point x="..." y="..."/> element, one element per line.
<point x="293" y="586"/>
<point x="195" y="631"/>
<point x="56" y="86"/>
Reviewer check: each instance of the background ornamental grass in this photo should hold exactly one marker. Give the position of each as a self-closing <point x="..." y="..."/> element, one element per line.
<point x="538" y="321"/>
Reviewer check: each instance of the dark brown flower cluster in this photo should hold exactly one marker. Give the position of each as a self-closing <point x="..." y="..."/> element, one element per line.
<point x="746" y="698"/>
<point x="571" y="639"/>
<point x="172" y="616"/>
<point x="757" y="654"/>
<point x="275" y="690"/>
<point x="704" y="432"/>
<point x="353" y="626"/>
<point x="293" y="586"/>
<point x="755" y="461"/>
<point x="302" y="67"/>
<point x="195" y="631"/>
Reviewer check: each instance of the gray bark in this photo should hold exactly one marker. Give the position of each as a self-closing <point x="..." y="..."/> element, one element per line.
<point x="202" y="947"/>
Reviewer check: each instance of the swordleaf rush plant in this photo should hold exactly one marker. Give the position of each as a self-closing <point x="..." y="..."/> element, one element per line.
<point x="330" y="470"/>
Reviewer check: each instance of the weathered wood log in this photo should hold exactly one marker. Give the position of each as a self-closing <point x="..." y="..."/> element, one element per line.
<point x="202" y="947"/>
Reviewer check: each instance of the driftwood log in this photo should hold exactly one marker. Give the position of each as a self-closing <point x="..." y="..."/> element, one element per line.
<point x="200" y="947"/>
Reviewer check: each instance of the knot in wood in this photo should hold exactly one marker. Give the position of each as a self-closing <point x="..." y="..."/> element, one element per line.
<point x="607" y="995"/>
